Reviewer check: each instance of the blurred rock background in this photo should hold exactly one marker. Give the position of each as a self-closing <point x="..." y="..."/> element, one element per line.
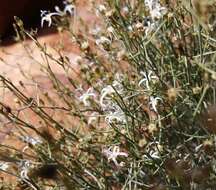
<point x="27" y="10"/>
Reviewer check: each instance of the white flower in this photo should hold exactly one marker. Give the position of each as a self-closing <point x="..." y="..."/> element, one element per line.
<point x="31" y="140"/>
<point x="149" y="28"/>
<point x="86" y="96"/>
<point x="154" y="150"/>
<point x="101" y="8"/>
<point x="147" y="78"/>
<point x="110" y="29"/>
<point x="156" y="10"/>
<point x="110" y="89"/>
<point x="114" y="113"/>
<point x="158" y="13"/>
<point x="111" y="32"/>
<point x="25" y="166"/>
<point x="47" y="17"/>
<point x="4" y="166"/>
<point x="95" y="31"/>
<point x="104" y="92"/>
<point x="138" y="25"/>
<point x="130" y="28"/>
<point x="92" y="118"/>
<point x="112" y="153"/>
<point x="125" y="9"/>
<point x="153" y="102"/>
<point x="102" y="40"/>
<point x="69" y="8"/>
<point x="152" y="154"/>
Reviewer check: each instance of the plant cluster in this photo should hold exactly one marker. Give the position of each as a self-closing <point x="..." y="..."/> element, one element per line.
<point x="141" y="114"/>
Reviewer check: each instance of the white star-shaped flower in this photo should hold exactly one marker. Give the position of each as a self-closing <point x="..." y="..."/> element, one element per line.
<point x="153" y="102"/>
<point x="47" y="17"/>
<point x="31" y="140"/>
<point x="25" y="165"/>
<point x="110" y="89"/>
<point x="147" y="78"/>
<point x="102" y="40"/>
<point x="86" y="96"/>
<point x="112" y="153"/>
<point x="104" y="92"/>
<point x="114" y="113"/>
<point x="4" y="166"/>
<point x="69" y="8"/>
<point x="156" y="10"/>
<point x="92" y="118"/>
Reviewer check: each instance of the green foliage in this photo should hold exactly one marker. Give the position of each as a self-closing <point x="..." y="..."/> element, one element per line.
<point x="141" y="114"/>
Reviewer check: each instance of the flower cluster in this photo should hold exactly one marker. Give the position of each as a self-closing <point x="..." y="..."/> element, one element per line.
<point x="148" y="79"/>
<point x="113" y="111"/>
<point x="47" y="16"/>
<point x="108" y="90"/>
<point x="155" y="9"/>
<point x="156" y="12"/>
<point x="150" y="127"/>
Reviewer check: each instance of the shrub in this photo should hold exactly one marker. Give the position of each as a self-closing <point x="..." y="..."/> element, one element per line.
<point x="140" y="115"/>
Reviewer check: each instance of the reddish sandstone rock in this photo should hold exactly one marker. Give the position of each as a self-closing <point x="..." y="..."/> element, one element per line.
<point x="15" y="58"/>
